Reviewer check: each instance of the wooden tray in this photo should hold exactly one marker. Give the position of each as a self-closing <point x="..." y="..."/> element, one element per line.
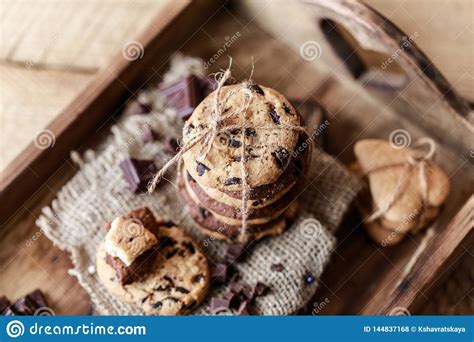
<point x="363" y="99"/>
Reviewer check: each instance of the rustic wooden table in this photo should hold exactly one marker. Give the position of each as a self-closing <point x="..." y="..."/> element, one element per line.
<point x="51" y="50"/>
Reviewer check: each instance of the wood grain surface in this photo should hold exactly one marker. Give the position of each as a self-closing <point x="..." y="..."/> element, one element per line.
<point x="28" y="260"/>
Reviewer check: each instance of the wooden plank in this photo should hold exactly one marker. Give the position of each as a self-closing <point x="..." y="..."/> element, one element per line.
<point x="98" y="102"/>
<point x="30" y="100"/>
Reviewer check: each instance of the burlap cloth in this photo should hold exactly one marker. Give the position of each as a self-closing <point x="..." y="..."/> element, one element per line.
<point x="98" y="193"/>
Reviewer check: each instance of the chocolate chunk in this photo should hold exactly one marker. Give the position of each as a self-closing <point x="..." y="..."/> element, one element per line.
<point x="138" y="173"/>
<point x="256" y="89"/>
<point x="184" y="95"/>
<point x="281" y="157"/>
<point x="189" y="246"/>
<point x="235" y="131"/>
<point x="148" y="134"/>
<point x="287" y="109"/>
<point x="38" y="297"/>
<point x="260" y="289"/>
<point x="237" y="158"/>
<point x="167" y="242"/>
<point x="4" y="303"/>
<point x="181" y="289"/>
<point x="24" y="306"/>
<point x="157" y="305"/>
<point x="309" y="278"/>
<point x="273" y="113"/>
<point x="244" y="309"/>
<point x="172" y="147"/>
<point x="277" y="267"/>
<point x="207" y="85"/>
<point x="250" y="132"/>
<point x="233" y="252"/>
<point x="234" y="143"/>
<point x="197" y="278"/>
<point x="219" y="273"/>
<point x="257" y="202"/>
<point x="173" y="299"/>
<point x="8" y="312"/>
<point x="232" y="181"/>
<point x="171" y="253"/>
<point x="201" y="168"/>
<point x="218" y="305"/>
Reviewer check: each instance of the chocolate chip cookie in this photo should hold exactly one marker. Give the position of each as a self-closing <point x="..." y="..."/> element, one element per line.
<point x="265" y="141"/>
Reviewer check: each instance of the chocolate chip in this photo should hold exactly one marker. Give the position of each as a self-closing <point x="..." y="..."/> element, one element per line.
<point x="189" y="246"/>
<point x="235" y="131"/>
<point x="257" y="202"/>
<point x="287" y="109"/>
<point x="173" y="299"/>
<point x="197" y="278"/>
<point x="167" y="242"/>
<point x="237" y="158"/>
<point x="250" y="132"/>
<point x="234" y="143"/>
<point x="181" y="289"/>
<point x="168" y="279"/>
<point x="277" y="267"/>
<point x="157" y="305"/>
<point x="281" y="157"/>
<point x="256" y="89"/>
<point x="232" y="181"/>
<point x="273" y="113"/>
<point x="138" y="173"/>
<point x="201" y="168"/>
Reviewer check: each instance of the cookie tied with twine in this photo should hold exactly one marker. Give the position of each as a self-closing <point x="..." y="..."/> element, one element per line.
<point x="406" y="186"/>
<point x="240" y="137"/>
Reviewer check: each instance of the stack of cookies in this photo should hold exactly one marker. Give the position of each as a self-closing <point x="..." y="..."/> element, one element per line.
<point x="405" y="189"/>
<point x="259" y="137"/>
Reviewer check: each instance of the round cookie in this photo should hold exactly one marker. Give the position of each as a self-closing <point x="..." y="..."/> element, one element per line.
<point x="265" y="113"/>
<point x="177" y="282"/>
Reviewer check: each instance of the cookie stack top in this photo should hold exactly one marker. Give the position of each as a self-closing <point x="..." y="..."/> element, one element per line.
<point x="262" y="128"/>
<point x="250" y="161"/>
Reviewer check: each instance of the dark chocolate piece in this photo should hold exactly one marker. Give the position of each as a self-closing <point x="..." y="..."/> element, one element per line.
<point x="244" y="309"/>
<point x="197" y="278"/>
<point x="287" y="109"/>
<point x="256" y="89"/>
<point x="273" y="113"/>
<point x="257" y="202"/>
<point x="281" y="157"/>
<point x="181" y="289"/>
<point x="201" y="168"/>
<point x="219" y="273"/>
<point x="4" y="304"/>
<point x="260" y="289"/>
<point x="233" y="252"/>
<point x="232" y="181"/>
<point x="218" y="305"/>
<point x="189" y="246"/>
<point x="138" y="173"/>
<point x="277" y="267"/>
<point x="184" y="95"/>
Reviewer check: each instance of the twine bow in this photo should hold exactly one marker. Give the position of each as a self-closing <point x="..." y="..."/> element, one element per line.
<point x="410" y="163"/>
<point x="215" y="125"/>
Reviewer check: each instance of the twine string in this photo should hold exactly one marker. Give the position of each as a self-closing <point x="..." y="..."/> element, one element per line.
<point x="215" y="126"/>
